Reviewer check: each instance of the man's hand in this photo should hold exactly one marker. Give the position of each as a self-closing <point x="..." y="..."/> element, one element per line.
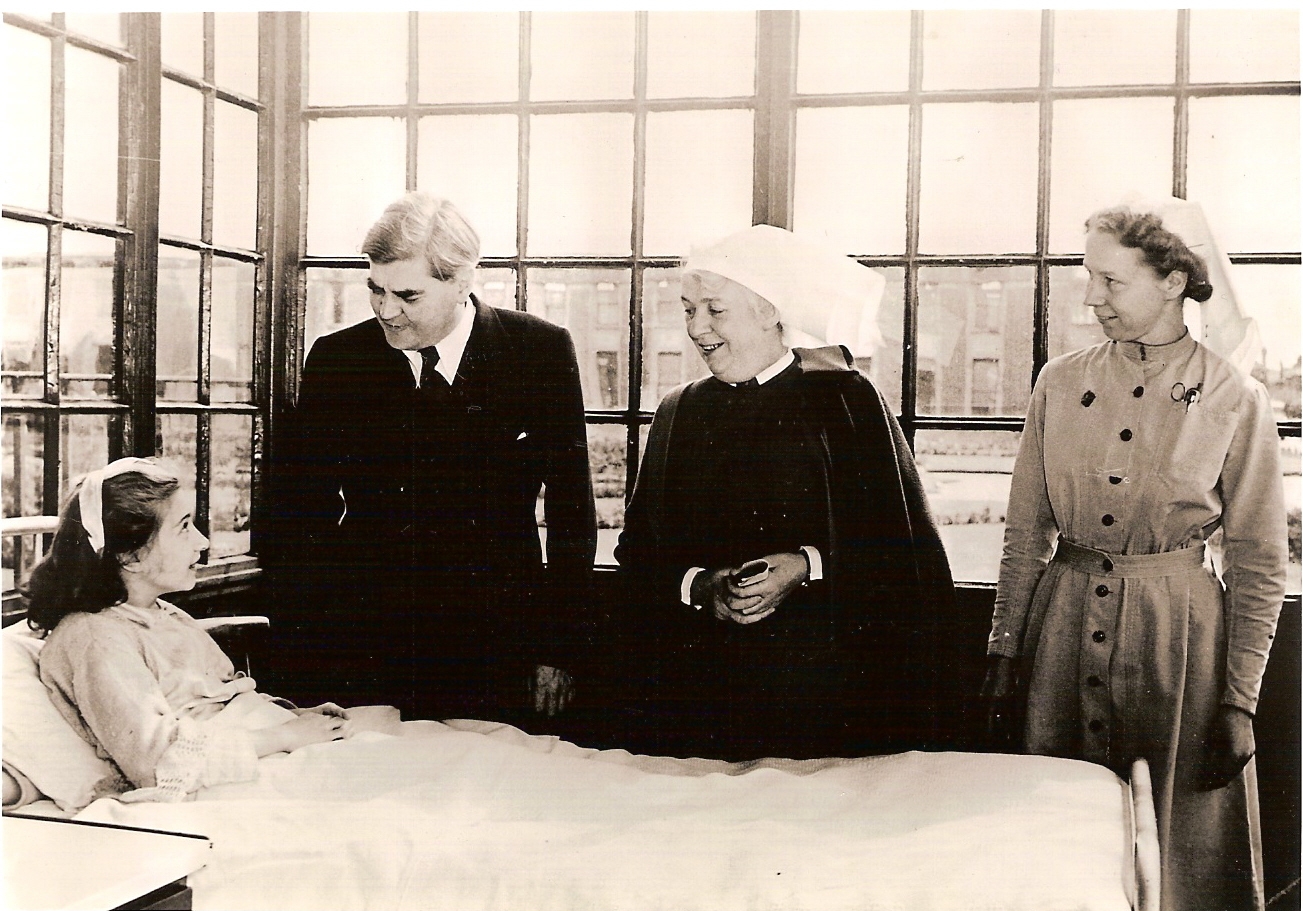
<point x="998" y="691"/>
<point x="550" y="690"/>
<point x="747" y="604"/>
<point x="1230" y="746"/>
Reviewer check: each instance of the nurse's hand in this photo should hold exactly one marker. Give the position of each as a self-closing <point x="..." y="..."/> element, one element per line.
<point x="749" y="603"/>
<point x="998" y="693"/>
<point x="1230" y="746"/>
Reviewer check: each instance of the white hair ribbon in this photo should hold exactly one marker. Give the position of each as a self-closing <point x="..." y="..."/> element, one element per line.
<point x="91" y="496"/>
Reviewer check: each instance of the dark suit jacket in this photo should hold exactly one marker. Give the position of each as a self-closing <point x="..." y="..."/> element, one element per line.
<point x="403" y="555"/>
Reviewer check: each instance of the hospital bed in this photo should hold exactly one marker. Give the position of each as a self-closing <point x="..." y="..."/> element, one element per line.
<point x="471" y="814"/>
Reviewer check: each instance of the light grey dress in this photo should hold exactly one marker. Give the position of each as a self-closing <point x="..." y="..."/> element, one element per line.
<point x="1121" y="662"/>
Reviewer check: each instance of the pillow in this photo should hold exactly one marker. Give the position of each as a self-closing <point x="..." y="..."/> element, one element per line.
<point x="38" y="743"/>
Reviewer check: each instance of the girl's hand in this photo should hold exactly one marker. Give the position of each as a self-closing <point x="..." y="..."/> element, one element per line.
<point x="307" y="728"/>
<point x="326" y="708"/>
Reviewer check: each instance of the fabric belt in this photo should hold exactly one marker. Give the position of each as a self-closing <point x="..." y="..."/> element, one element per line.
<point x="1121" y="566"/>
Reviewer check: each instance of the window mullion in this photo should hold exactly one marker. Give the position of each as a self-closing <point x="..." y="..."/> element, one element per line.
<point x="140" y="146"/>
<point x="1044" y="164"/>
<point x="1181" y="115"/>
<point x="522" y="157"/>
<point x="913" y="182"/>
<point x="410" y="117"/>
<point x="775" y="127"/>
<point x="636" y="279"/>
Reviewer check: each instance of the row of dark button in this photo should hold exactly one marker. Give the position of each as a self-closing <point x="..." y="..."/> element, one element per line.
<point x="1089" y="398"/>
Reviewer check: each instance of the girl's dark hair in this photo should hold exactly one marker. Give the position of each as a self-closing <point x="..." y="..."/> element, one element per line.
<point x="1164" y="251"/>
<point x="72" y="577"/>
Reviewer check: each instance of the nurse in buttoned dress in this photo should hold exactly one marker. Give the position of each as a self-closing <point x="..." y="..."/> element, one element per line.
<point x="1126" y="642"/>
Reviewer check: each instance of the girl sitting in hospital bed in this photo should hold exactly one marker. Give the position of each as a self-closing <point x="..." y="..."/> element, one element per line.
<point x="138" y="679"/>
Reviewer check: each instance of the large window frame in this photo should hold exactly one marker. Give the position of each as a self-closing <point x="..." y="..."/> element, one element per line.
<point x="134" y="403"/>
<point x="282" y="263"/>
<point x="775" y="105"/>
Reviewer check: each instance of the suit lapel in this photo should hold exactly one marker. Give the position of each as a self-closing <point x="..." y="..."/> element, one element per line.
<point x="488" y="343"/>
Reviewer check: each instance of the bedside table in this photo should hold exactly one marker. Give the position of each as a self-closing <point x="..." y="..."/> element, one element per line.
<point x="63" y="865"/>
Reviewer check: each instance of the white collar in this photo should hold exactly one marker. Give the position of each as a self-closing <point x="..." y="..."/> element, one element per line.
<point x="773" y="369"/>
<point x="450" y="349"/>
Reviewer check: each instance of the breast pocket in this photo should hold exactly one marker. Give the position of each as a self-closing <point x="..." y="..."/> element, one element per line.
<point x="1071" y="427"/>
<point x="1196" y="446"/>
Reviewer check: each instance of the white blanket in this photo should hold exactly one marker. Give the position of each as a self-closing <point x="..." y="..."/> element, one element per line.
<point x="474" y="815"/>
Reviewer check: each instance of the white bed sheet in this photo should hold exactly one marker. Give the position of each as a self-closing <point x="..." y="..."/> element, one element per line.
<point x="475" y="815"/>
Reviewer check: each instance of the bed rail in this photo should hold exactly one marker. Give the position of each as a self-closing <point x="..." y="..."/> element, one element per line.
<point x="1148" y="867"/>
<point x="25" y="539"/>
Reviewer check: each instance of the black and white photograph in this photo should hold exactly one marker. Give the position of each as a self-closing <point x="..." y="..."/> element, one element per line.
<point x="626" y="460"/>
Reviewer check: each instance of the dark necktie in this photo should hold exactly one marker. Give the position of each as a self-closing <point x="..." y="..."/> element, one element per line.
<point x="431" y="379"/>
<point x="752" y="383"/>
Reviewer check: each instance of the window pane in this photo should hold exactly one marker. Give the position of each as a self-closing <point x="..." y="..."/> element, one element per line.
<point x="24" y="460"/>
<point x="469" y="57"/>
<point x="851" y="167"/>
<point x="966" y="477"/>
<point x="23" y="273"/>
<point x="23" y="449"/>
<point x="594" y="305"/>
<point x="175" y="445"/>
<point x="26" y="101"/>
<point x="229" y="499"/>
<point x="1244" y="45"/>
<point x="235" y="176"/>
<point x="1269" y="296"/>
<point x="334" y="76"/>
<point x="496" y="287"/>
<point x="183" y="42"/>
<point x="884" y="363"/>
<point x="1290" y="460"/>
<point x="608" y="453"/>
<point x="669" y="358"/>
<point x="355" y="169"/>
<point x="974" y="350"/>
<point x="181" y="167"/>
<point x="1091" y="170"/>
<point x="698" y="178"/>
<point x="90" y="154"/>
<point x="979" y="178"/>
<point x="472" y="161"/>
<point x="235" y="52"/>
<point x="85" y="445"/>
<point x="336" y="298"/>
<point x="603" y="68"/>
<point x="86" y="315"/>
<point x="232" y="331"/>
<point x="1114" y="47"/>
<point x="106" y="27"/>
<point x="832" y="58"/>
<point x="580" y="184"/>
<point x="1247" y="179"/>
<point x="178" y="324"/>
<point x="1072" y="324"/>
<point x="701" y="54"/>
<point x="988" y="49"/>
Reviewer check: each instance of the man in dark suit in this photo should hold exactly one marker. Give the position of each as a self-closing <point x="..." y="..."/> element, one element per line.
<point x="405" y="554"/>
